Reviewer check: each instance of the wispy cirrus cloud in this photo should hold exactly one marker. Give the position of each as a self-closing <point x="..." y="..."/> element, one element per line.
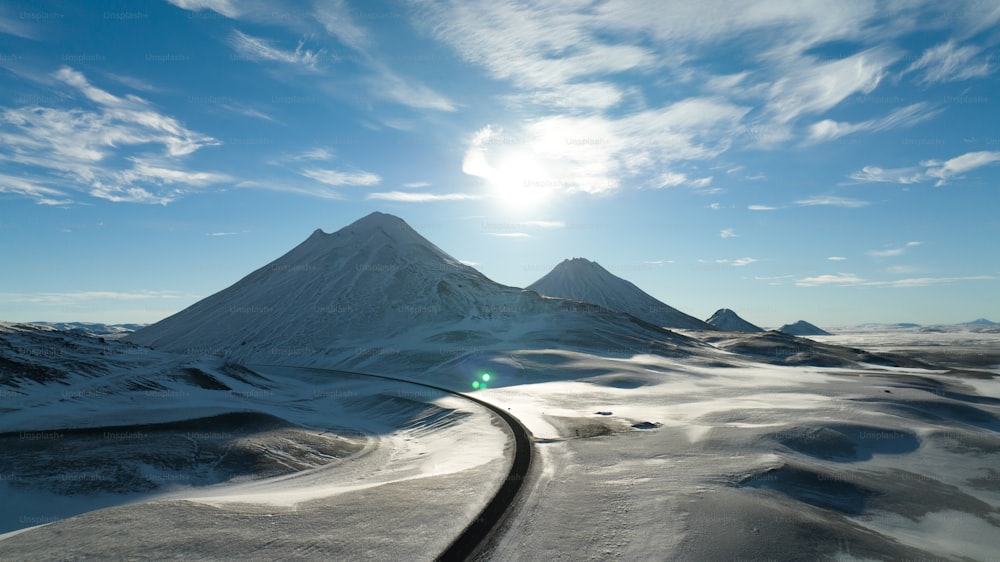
<point x="728" y="233"/>
<point x="939" y="171"/>
<point x="416" y="197"/>
<point x="224" y="7"/>
<point x="893" y="251"/>
<point x="256" y="49"/>
<point x="383" y="82"/>
<point x="850" y="279"/>
<point x="949" y="62"/>
<point x="828" y="129"/>
<point x="830" y="279"/>
<point x="337" y="178"/>
<point x="831" y="201"/>
<point x="761" y="208"/>
<point x="738" y="262"/>
<point x="104" y="148"/>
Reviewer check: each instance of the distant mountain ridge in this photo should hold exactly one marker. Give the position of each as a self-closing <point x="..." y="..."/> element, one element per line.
<point x="377" y="291"/>
<point x="96" y="329"/>
<point x="586" y="281"/>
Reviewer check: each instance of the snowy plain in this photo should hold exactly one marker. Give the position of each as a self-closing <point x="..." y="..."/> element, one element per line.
<point x="638" y="457"/>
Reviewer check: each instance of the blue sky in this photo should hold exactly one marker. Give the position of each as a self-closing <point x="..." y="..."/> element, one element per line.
<point x="836" y="162"/>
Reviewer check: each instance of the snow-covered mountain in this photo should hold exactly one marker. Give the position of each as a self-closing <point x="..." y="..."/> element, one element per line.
<point x="803" y="328"/>
<point x="378" y="292"/>
<point x="582" y="280"/>
<point x="728" y="321"/>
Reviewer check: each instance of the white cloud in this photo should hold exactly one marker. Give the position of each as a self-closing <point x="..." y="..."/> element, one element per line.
<point x="383" y="82"/>
<point x="511" y="234"/>
<point x="43" y="195"/>
<point x="316" y="154"/>
<point x="830" y="279"/>
<point x="891" y="252"/>
<point x="283" y="185"/>
<point x="942" y="171"/>
<point x="831" y="201"/>
<point x="828" y="129"/>
<point x="335" y="16"/>
<point x="16" y="28"/>
<point x="546" y="224"/>
<point x="874" y="174"/>
<point x="411" y="197"/>
<point x="815" y="88"/>
<point x="416" y="184"/>
<point x="761" y="208"/>
<point x="948" y="62"/>
<point x="738" y="262"/>
<point x="837" y="258"/>
<point x="850" y="279"/>
<point x="256" y="49"/>
<point x="336" y="178"/>
<point x="223" y="7"/>
<point x="728" y="233"/>
<point x="84" y="148"/>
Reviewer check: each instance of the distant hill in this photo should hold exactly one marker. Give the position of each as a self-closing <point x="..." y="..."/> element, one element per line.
<point x="728" y="321"/>
<point x="582" y="280"/>
<point x="979" y="322"/>
<point x="803" y="328"/>
<point x="93" y="328"/>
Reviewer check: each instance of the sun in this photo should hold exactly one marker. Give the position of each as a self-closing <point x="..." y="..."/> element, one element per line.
<point x="520" y="181"/>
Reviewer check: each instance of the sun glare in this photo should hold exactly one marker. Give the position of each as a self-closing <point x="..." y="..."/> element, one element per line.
<point x="520" y="181"/>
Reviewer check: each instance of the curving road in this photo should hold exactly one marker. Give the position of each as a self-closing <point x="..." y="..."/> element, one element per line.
<point x="480" y="532"/>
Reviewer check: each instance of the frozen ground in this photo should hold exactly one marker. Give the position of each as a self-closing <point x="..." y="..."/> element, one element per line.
<point x="755" y="462"/>
<point x="714" y="456"/>
<point x="295" y="465"/>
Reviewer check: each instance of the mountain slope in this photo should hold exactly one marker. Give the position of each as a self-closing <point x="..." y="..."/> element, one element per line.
<point x="582" y="280"/>
<point x="803" y="328"/>
<point x="378" y="292"/>
<point x="728" y="321"/>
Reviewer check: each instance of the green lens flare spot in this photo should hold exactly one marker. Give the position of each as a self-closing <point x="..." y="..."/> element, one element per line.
<point x="486" y="377"/>
<point x="475" y="384"/>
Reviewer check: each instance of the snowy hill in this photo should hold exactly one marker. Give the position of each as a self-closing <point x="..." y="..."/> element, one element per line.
<point x="113" y="331"/>
<point x="728" y="321"/>
<point x="803" y="328"/>
<point x="378" y="292"/>
<point x="582" y="280"/>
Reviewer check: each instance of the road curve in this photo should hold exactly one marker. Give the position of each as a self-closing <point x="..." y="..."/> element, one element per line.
<point x="481" y="530"/>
